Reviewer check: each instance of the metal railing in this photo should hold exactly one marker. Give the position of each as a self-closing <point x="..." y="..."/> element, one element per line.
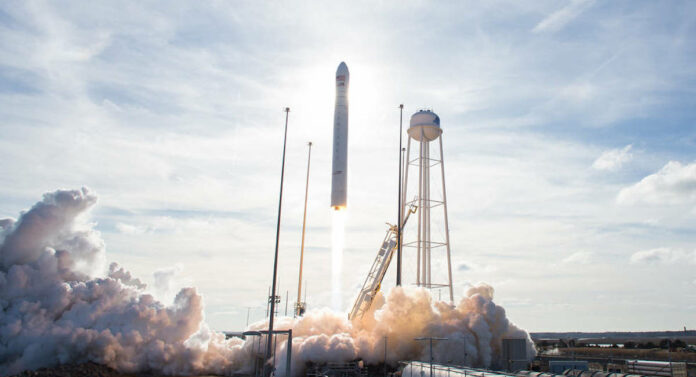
<point x="422" y="369"/>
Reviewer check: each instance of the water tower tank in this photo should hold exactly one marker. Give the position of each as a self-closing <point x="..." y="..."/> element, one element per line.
<point x="425" y="126"/>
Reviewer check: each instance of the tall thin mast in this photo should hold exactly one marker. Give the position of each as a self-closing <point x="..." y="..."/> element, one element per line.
<point x="299" y="307"/>
<point x="269" y="342"/>
<point x="398" y="224"/>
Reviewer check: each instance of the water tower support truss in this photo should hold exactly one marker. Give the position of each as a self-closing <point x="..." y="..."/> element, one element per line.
<point x="424" y="129"/>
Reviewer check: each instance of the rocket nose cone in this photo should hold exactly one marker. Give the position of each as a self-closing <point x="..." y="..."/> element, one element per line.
<point x="342" y="69"/>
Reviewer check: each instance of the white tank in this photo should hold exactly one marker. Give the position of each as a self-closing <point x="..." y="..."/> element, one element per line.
<point x="425" y="126"/>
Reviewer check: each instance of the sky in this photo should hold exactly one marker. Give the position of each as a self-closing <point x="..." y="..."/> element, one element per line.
<point x="569" y="135"/>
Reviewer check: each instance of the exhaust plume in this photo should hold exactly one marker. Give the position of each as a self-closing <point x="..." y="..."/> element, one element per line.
<point x="61" y="305"/>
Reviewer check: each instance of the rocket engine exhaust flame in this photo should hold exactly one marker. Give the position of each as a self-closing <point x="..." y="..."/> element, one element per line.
<point x="338" y="227"/>
<point x="57" y="310"/>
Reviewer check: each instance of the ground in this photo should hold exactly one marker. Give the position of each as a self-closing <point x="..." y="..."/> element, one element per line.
<point x="80" y="370"/>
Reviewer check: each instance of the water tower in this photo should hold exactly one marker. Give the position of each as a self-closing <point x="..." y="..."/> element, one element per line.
<point x="425" y="128"/>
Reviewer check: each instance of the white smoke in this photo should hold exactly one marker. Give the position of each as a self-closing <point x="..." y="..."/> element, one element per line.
<point x="56" y="309"/>
<point x="474" y="328"/>
<point x="165" y="282"/>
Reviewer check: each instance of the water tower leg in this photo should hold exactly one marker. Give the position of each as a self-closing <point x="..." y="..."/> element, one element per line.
<point x="426" y="198"/>
<point x="420" y="215"/>
<point x="447" y="237"/>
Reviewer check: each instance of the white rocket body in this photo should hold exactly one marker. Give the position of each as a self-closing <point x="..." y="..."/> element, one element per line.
<point x="339" y="174"/>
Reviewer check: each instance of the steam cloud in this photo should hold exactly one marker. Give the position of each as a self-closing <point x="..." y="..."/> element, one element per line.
<point x="61" y="305"/>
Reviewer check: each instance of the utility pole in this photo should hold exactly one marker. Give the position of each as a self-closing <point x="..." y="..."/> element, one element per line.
<point x="430" y="338"/>
<point x="669" y="353"/>
<point x="398" y="225"/>
<point x="269" y="345"/>
<point x="385" y="356"/>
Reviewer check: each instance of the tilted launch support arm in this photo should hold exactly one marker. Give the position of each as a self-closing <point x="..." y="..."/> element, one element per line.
<point x="373" y="282"/>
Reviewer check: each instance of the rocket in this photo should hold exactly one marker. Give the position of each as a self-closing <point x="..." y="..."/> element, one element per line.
<point x="339" y="177"/>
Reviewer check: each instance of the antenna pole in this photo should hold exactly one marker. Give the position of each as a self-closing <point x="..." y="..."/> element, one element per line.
<point x="299" y="307"/>
<point x="398" y="224"/>
<point x="269" y="343"/>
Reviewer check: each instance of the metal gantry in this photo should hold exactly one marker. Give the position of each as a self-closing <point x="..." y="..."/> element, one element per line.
<point x="373" y="281"/>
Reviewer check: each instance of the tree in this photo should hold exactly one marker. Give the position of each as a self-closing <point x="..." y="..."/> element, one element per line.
<point x="647" y="345"/>
<point x="665" y="343"/>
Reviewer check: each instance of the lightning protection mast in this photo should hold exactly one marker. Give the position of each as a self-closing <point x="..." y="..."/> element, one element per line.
<point x="269" y="341"/>
<point x="300" y="306"/>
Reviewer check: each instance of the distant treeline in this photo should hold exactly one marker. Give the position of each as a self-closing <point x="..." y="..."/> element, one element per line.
<point x="613" y="334"/>
<point x="671" y="344"/>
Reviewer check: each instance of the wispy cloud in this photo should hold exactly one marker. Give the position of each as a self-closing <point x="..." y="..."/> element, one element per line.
<point x="675" y="183"/>
<point x="663" y="255"/>
<point x="130" y="229"/>
<point x="580" y="257"/>
<point x="613" y="159"/>
<point x="560" y="18"/>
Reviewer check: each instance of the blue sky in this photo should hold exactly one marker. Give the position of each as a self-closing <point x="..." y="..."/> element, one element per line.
<point x="569" y="135"/>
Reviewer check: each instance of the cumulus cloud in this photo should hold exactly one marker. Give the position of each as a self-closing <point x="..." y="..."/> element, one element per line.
<point x="580" y="257"/>
<point x="614" y="159"/>
<point x="663" y="255"/>
<point x="557" y="20"/>
<point x="55" y="313"/>
<point x="673" y="184"/>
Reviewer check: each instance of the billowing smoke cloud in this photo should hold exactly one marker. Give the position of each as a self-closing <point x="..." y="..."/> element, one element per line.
<point x="474" y="328"/>
<point x="60" y="305"/>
